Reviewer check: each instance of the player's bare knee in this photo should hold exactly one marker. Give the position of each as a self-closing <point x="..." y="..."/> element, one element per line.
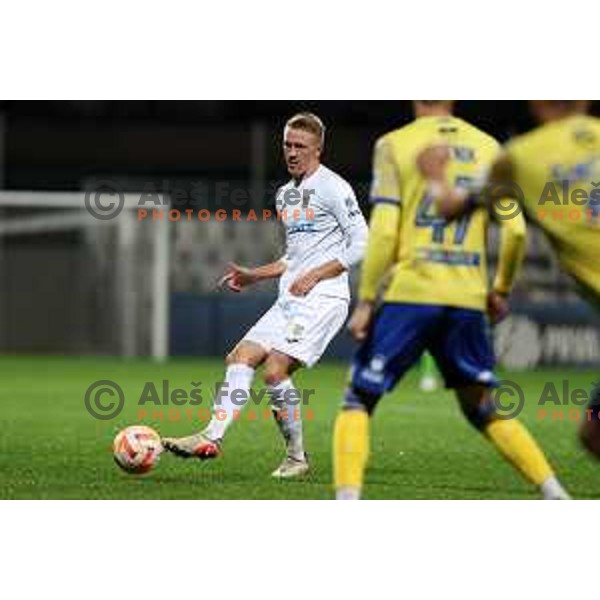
<point x="278" y="367"/>
<point x="236" y="357"/>
<point x="245" y="354"/>
<point x="274" y="373"/>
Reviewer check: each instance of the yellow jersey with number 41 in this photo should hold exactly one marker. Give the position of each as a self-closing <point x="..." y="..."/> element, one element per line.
<point x="436" y="261"/>
<point x="557" y="168"/>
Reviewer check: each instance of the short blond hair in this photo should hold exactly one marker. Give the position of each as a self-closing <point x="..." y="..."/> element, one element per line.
<point x="307" y="121"/>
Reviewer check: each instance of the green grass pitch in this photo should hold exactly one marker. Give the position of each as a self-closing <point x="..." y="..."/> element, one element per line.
<point x="422" y="448"/>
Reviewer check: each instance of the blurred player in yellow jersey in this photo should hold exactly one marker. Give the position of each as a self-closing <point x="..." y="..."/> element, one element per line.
<point x="554" y="174"/>
<point x="436" y="298"/>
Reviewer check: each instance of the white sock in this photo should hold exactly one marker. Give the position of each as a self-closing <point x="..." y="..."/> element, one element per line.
<point x="288" y="418"/>
<point x="237" y="377"/>
<point x="348" y="492"/>
<point x="553" y="490"/>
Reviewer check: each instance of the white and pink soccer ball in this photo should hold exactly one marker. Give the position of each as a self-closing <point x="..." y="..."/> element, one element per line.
<point x="136" y="449"/>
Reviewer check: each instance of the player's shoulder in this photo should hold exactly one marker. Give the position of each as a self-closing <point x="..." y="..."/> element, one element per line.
<point x="592" y="122"/>
<point x="477" y="137"/>
<point x="393" y="145"/>
<point x="329" y="182"/>
<point x="556" y="132"/>
<point x="424" y="127"/>
<point x="532" y="138"/>
<point x="397" y="136"/>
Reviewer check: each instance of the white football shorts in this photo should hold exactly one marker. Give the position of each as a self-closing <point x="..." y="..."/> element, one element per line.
<point x="300" y="327"/>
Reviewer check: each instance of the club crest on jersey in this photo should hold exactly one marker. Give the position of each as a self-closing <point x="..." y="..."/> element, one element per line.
<point x="295" y="332"/>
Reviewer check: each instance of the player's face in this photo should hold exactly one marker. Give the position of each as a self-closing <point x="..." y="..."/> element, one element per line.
<point x="301" y="150"/>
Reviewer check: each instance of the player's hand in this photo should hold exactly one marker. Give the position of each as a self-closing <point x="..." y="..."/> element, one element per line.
<point x="236" y="278"/>
<point x="497" y="306"/>
<point x="304" y="283"/>
<point x="361" y="321"/>
<point x="432" y="162"/>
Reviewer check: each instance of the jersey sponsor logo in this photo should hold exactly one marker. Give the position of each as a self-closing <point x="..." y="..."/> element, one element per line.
<point x="305" y="227"/>
<point x="582" y="171"/>
<point x="455" y="258"/>
<point x="585" y="137"/>
<point x="463" y="154"/>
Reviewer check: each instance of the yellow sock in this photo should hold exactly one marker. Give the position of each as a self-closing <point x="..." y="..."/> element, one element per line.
<point x="517" y="445"/>
<point x="350" y="448"/>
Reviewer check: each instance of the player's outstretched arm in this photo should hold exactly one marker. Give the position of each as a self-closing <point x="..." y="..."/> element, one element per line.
<point x="513" y="239"/>
<point x="432" y="163"/>
<point x="384" y="237"/>
<point x="384" y="224"/>
<point x="237" y="278"/>
<point x="381" y="248"/>
<point x="450" y="201"/>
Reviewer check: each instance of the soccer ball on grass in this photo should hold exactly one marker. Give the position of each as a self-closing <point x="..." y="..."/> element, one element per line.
<point x="136" y="449"/>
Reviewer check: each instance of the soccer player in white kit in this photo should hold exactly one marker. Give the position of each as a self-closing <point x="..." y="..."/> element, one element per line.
<point x="326" y="234"/>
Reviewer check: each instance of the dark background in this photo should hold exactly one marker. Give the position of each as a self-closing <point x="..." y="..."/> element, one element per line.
<point x="70" y="289"/>
<point x="58" y="145"/>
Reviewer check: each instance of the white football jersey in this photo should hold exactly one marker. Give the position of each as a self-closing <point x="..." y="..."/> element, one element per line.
<point x="322" y="222"/>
